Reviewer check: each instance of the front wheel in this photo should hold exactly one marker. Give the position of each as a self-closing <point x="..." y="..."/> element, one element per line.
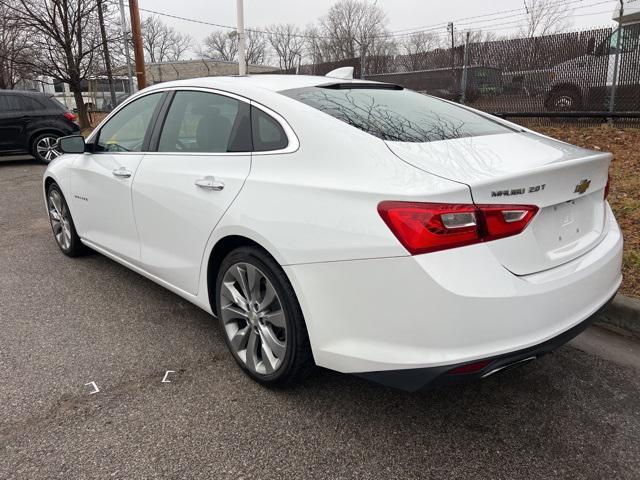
<point x="64" y="230"/>
<point x="261" y="318"/>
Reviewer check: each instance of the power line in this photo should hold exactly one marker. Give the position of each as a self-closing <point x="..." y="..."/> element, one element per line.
<point x="500" y="12"/>
<point x="518" y="23"/>
<point x="219" y="25"/>
<point x="461" y="21"/>
<point x="407" y="32"/>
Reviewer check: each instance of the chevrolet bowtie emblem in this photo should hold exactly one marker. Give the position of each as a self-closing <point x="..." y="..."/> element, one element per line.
<point x="582" y="186"/>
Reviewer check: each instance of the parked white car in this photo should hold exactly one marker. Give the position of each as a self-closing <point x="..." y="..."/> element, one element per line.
<point x="354" y="225"/>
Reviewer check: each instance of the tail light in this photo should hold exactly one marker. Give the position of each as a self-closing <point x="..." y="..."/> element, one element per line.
<point x="607" y="186"/>
<point x="429" y="227"/>
<point x="70" y="116"/>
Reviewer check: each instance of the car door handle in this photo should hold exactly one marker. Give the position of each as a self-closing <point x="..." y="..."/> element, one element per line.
<point x="209" y="183"/>
<point x="121" y="172"/>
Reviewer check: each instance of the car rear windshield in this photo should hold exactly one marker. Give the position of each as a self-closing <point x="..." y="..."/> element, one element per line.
<point x="57" y="103"/>
<point x="395" y="114"/>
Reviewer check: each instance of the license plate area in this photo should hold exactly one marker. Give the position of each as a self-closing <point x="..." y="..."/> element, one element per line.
<point x="570" y="228"/>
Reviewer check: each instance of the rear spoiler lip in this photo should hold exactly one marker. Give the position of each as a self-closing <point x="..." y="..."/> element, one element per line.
<point x="360" y="86"/>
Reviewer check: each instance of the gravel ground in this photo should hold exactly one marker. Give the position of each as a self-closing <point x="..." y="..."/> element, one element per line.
<point x="67" y="322"/>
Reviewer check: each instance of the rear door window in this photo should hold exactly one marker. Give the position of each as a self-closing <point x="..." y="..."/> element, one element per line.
<point x="30" y="103"/>
<point x="10" y="103"/>
<point x="201" y="122"/>
<point x="396" y="114"/>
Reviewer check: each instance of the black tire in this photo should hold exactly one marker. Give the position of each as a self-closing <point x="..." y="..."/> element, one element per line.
<point x="41" y="140"/>
<point x="564" y="99"/>
<point x="298" y="361"/>
<point x="74" y="247"/>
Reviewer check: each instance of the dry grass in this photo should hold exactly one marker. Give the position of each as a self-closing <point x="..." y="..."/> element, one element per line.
<point x="624" y="197"/>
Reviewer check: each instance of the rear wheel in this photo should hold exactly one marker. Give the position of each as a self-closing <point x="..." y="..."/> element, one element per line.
<point x="45" y="147"/>
<point x="261" y="318"/>
<point x="64" y="230"/>
<point x="564" y="100"/>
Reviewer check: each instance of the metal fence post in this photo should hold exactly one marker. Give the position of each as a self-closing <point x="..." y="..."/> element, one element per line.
<point x="465" y="61"/>
<point x="616" y="61"/>
<point x="453" y="61"/>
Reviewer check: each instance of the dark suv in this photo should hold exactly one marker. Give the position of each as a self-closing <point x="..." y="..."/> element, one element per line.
<point x="31" y="123"/>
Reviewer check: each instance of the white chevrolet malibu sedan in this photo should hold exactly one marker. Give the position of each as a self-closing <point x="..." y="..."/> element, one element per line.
<point x="353" y="225"/>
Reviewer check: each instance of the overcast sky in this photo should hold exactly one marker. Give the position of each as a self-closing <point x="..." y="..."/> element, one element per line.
<point x="402" y="14"/>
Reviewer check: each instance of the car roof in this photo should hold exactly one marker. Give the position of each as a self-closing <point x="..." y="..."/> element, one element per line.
<point x="29" y="93"/>
<point x="264" y="83"/>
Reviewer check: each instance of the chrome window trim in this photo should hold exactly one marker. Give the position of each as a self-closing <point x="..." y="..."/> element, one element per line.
<point x="293" y="144"/>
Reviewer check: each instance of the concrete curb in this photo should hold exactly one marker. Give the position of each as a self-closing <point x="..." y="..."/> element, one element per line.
<point x="623" y="312"/>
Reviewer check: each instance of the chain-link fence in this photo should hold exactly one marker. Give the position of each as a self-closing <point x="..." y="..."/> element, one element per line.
<point x="592" y="73"/>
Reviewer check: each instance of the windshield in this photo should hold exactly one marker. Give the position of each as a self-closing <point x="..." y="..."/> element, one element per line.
<point x="396" y="114"/>
<point x="628" y="42"/>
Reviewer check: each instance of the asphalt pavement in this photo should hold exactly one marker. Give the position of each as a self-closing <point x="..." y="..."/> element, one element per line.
<point x="65" y="323"/>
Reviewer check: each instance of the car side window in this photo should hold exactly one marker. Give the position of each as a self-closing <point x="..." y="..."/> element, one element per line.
<point x="201" y="122"/>
<point x="629" y="41"/>
<point x="125" y="131"/>
<point x="10" y="103"/>
<point x="28" y="103"/>
<point x="267" y="132"/>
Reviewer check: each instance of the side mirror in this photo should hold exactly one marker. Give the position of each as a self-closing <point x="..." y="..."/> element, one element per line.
<point x="72" y="144"/>
<point x="591" y="46"/>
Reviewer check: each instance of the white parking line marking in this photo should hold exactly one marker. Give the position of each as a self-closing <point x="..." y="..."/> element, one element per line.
<point x="95" y="387"/>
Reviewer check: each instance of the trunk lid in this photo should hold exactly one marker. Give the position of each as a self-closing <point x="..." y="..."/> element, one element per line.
<point x="566" y="183"/>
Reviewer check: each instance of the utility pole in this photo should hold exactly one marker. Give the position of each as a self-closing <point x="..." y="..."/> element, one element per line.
<point x="107" y="57"/>
<point x="125" y="36"/>
<point x="453" y="62"/>
<point x="242" y="64"/>
<point x="138" y="51"/>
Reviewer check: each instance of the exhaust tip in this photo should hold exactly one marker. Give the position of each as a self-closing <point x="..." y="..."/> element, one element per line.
<point x="508" y="366"/>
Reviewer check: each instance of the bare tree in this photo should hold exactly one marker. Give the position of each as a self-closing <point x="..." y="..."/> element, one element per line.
<point x="105" y="51"/>
<point x="161" y="42"/>
<point x="256" y="44"/>
<point x="181" y="45"/>
<point x="14" y="49"/>
<point x="317" y="47"/>
<point x="223" y="45"/>
<point x="287" y="42"/>
<point x="413" y="49"/>
<point x="545" y="17"/>
<point x="220" y="45"/>
<point x="65" y="35"/>
<point x="475" y="36"/>
<point x="352" y="28"/>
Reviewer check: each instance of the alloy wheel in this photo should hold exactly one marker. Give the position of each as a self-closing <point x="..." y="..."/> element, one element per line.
<point x="47" y="148"/>
<point x="564" y="103"/>
<point x="60" y="219"/>
<point x="253" y="318"/>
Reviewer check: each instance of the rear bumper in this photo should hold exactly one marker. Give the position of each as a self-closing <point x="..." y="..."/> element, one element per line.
<point x="446" y="308"/>
<point x="422" y="378"/>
